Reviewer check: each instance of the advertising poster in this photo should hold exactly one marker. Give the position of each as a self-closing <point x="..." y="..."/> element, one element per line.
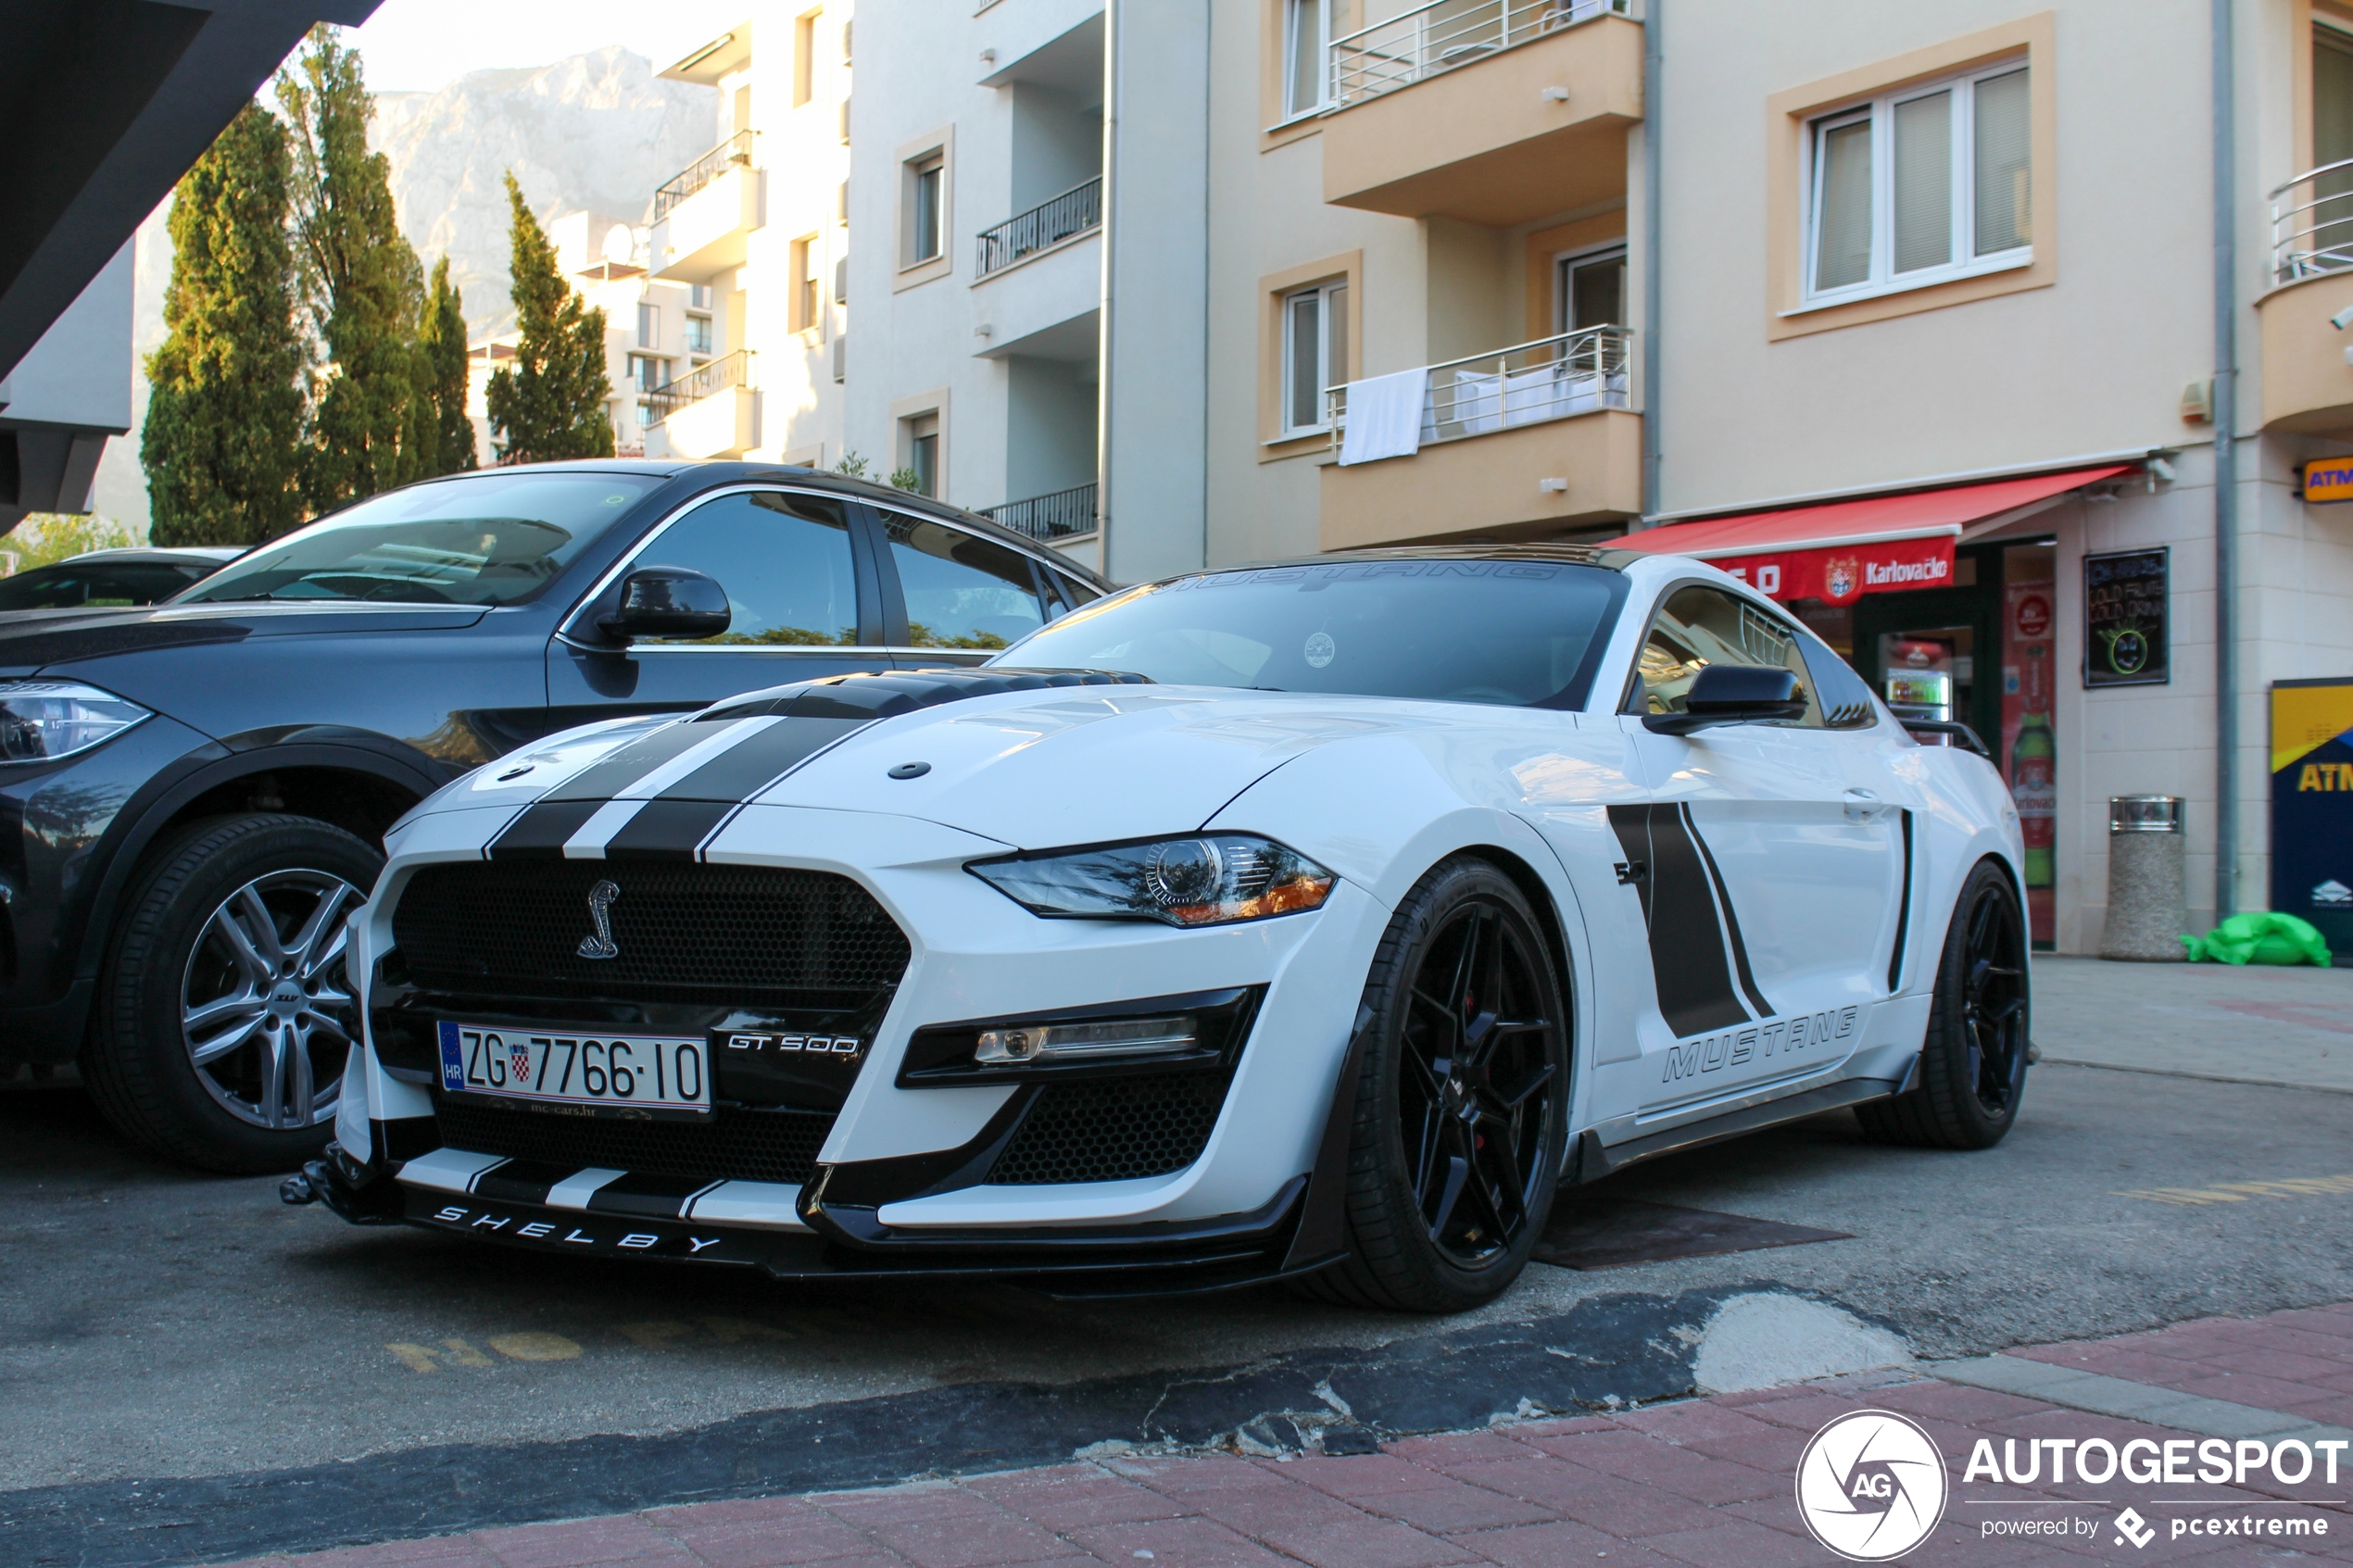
<point x="2312" y="807"/>
<point x="2124" y="630"/>
<point x="2030" y="744"/>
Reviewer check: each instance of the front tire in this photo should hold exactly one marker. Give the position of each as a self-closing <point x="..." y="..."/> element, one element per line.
<point x="1462" y="1100"/>
<point x="223" y="1016"/>
<point x="1973" y="1063"/>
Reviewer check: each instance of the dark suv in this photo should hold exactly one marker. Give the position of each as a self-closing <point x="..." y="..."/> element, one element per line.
<point x="192" y="794"/>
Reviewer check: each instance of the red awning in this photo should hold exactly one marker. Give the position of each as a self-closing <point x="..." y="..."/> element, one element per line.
<point x="1842" y="549"/>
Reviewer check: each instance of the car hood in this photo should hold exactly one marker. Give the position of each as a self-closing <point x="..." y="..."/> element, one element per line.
<point x="1031" y="758"/>
<point x="46" y="641"/>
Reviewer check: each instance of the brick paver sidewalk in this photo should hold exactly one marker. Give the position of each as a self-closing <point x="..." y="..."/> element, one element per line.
<point x="1697" y="1484"/>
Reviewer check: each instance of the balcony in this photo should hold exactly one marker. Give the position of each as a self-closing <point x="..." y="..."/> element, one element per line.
<point x="704" y="215"/>
<point x="1517" y="442"/>
<point x="1066" y="514"/>
<point x="1076" y="211"/>
<point x="2308" y="385"/>
<point x="1492" y="111"/>
<point x="714" y="412"/>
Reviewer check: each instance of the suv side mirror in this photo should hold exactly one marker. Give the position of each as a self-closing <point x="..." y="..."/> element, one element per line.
<point x="1733" y="693"/>
<point x="666" y="601"/>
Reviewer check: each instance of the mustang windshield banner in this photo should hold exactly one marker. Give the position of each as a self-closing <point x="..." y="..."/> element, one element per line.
<point x="1842" y="573"/>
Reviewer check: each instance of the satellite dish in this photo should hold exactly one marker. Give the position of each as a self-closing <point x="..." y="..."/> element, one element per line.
<point x="621" y="244"/>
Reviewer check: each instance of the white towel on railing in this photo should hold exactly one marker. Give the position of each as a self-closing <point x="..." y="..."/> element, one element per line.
<point x="1478" y="401"/>
<point x="1531" y="395"/>
<point x="1385" y="417"/>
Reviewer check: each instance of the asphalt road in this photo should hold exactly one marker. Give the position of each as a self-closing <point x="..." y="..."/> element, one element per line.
<point x="155" y="1324"/>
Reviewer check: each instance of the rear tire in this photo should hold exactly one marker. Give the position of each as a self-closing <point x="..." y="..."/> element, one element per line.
<point x="1973" y="1063"/>
<point x="223" y="1017"/>
<point x="1462" y="1101"/>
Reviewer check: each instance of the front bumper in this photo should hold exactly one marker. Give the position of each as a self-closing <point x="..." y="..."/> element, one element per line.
<point x="909" y="1181"/>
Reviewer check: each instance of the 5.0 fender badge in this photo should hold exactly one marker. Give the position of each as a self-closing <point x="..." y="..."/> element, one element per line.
<point x="599" y="944"/>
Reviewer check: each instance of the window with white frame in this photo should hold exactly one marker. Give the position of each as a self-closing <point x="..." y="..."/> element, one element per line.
<point x="1314" y="354"/>
<point x="648" y="326"/>
<point x="1921" y="186"/>
<point x="1303" y="73"/>
<point x="1592" y="291"/>
<point x="926" y="185"/>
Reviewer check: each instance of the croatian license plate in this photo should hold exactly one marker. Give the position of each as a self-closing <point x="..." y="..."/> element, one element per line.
<point x="641" y="1072"/>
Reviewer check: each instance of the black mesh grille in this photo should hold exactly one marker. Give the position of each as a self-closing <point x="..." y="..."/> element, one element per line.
<point x="729" y="934"/>
<point x="1112" y="1131"/>
<point x="751" y="1146"/>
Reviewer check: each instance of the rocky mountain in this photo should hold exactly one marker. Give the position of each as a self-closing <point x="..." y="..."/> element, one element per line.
<point x="598" y="133"/>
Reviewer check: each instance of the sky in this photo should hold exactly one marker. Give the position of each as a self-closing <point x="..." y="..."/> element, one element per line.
<point x="422" y="45"/>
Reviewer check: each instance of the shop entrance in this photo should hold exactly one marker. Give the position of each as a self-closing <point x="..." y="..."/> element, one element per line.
<point x="1980" y="652"/>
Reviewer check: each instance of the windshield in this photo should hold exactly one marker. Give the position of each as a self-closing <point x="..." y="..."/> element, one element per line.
<point x="1518" y="634"/>
<point x="485" y="539"/>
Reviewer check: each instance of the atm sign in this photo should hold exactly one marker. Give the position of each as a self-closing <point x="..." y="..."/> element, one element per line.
<point x="2328" y="479"/>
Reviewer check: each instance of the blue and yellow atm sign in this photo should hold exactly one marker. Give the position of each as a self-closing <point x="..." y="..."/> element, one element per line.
<point x="2328" y="479"/>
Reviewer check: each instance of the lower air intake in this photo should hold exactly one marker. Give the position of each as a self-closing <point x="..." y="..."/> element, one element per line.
<point x="747" y="1146"/>
<point x="1113" y="1130"/>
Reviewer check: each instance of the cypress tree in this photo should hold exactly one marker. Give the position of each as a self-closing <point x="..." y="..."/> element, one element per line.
<point x="550" y="402"/>
<point x="360" y="282"/>
<point x="442" y="344"/>
<point x="221" y="442"/>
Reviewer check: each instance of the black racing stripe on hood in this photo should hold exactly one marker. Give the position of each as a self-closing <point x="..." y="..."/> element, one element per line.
<point x="904" y="691"/>
<point x="540" y="831"/>
<point x="601" y="780"/>
<point x="743" y="771"/>
<point x="667" y="830"/>
<point x="37" y="644"/>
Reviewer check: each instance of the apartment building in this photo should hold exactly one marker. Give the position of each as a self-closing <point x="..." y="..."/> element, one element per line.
<point x="1907" y="314"/>
<point x="757" y="230"/>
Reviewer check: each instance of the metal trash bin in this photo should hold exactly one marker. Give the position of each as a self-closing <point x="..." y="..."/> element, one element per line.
<point x="2147" y="901"/>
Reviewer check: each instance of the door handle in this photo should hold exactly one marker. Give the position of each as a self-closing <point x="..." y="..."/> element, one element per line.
<point x="1862" y="805"/>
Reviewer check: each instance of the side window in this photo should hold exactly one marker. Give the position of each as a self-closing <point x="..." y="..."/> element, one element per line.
<point x="783" y="560"/>
<point x="1699" y="626"/>
<point x="1846" y="697"/>
<point x="963" y="592"/>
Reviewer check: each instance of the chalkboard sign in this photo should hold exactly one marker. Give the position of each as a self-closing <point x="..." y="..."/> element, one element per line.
<point x="2124" y="608"/>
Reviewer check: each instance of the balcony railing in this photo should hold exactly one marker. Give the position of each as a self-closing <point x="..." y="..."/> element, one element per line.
<point x="1550" y="379"/>
<point x="731" y="370"/>
<point x="1058" y="516"/>
<point x="1442" y="34"/>
<point x="2313" y="223"/>
<point x="1076" y="211"/>
<point x="735" y="150"/>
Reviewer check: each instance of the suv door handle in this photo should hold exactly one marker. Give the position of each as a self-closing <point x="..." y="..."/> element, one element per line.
<point x="1862" y="805"/>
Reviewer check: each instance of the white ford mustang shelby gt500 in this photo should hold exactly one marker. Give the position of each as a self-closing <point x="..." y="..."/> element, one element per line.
<point x="1317" y="920"/>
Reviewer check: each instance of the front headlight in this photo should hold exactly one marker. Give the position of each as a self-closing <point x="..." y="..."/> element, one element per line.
<point x="41" y="721"/>
<point x="1209" y="879"/>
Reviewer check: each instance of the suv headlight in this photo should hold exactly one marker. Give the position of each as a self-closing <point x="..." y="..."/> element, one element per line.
<point x="40" y="720"/>
<point x="1206" y="879"/>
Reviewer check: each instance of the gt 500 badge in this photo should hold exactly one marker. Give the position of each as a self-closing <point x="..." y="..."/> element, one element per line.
<point x="830" y="1045"/>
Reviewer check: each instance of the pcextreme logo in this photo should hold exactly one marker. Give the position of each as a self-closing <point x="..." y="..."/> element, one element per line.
<point x="1870" y="1485"/>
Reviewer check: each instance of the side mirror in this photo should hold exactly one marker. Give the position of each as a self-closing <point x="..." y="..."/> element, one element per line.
<point x="666" y="601"/>
<point x="1733" y="693"/>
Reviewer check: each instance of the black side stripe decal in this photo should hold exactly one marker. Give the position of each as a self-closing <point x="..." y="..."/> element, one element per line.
<point x="1687" y="938"/>
<point x="1731" y="920"/>
<point x="1903" y="914"/>
<point x="539" y="831"/>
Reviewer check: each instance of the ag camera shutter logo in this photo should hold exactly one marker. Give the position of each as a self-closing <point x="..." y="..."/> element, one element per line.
<point x="1870" y="1485"/>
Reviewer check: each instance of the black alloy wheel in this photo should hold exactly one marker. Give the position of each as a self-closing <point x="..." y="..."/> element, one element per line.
<point x="1462" y="1102"/>
<point x="1973" y="1064"/>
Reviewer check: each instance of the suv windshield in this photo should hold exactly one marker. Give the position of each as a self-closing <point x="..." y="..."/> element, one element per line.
<point x="1516" y="632"/>
<point x="483" y="539"/>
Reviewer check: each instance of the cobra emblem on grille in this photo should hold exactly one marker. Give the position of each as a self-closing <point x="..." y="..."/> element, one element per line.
<point x="599" y="944"/>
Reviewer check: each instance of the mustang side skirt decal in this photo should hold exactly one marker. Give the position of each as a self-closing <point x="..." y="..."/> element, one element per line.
<point x="1679" y="908"/>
